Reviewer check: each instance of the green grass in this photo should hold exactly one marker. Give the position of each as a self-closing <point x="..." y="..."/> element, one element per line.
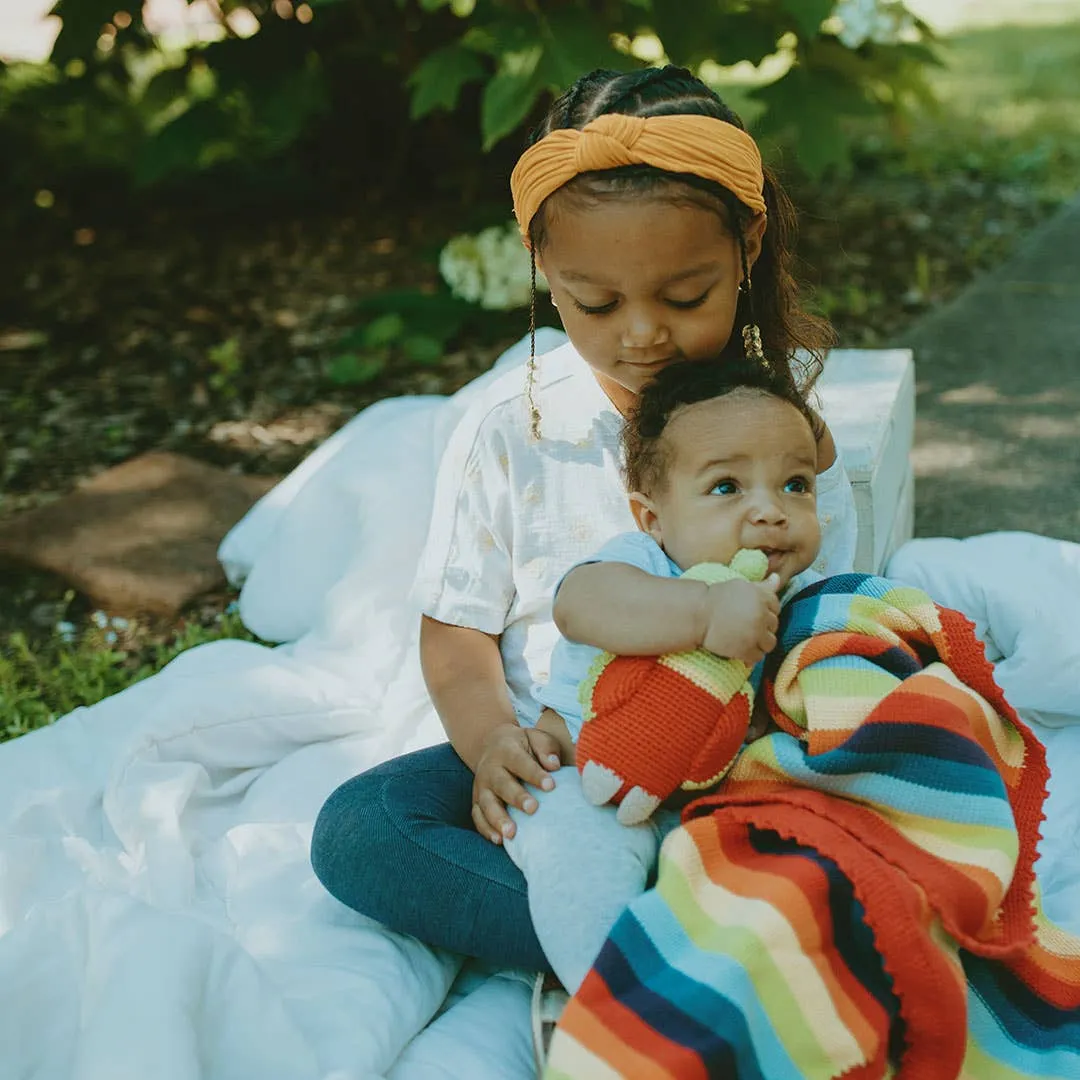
<point x="42" y="680"/>
<point x="1009" y="106"/>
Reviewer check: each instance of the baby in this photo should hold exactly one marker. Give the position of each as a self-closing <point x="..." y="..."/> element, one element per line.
<point x="717" y="460"/>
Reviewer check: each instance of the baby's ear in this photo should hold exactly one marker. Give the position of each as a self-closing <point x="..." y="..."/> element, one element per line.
<point x="641" y="506"/>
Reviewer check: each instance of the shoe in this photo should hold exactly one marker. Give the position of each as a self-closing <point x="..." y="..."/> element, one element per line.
<point x="548" y="1001"/>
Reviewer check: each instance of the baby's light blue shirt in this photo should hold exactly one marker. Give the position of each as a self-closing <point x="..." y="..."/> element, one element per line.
<point x="570" y="660"/>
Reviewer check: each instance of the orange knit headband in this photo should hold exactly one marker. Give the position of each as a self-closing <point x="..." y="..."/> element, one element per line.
<point x="700" y="145"/>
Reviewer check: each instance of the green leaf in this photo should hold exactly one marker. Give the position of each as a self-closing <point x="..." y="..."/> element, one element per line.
<point x="164" y="90"/>
<point x="432" y="5"/>
<point x="501" y="36"/>
<point x="534" y="57"/>
<point x="422" y="349"/>
<point x="281" y="113"/>
<point x="809" y="15"/>
<point x="437" y="81"/>
<point x="703" y="31"/>
<point x="182" y="145"/>
<point x="384" y="330"/>
<point x="918" y="53"/>
<point x="808" y="108"/>
<point x="575" y="41"/>
<point x="749" y="35"/>
<point x="509" y="96"/>
<point x="438" y="315"/>
<point x="351" y="368"/>
<point x="686" y="29"/>
<point x="81" y="23"/>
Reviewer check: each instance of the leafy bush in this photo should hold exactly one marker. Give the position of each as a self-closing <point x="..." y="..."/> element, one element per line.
<point x="468" y="72"/>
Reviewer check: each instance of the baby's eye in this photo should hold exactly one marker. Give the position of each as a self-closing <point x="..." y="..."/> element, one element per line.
<point x="725" y="487"/>
<point x="798" y="485"/>
<point x="598" y="309"/>
<point x="686" y="305"/>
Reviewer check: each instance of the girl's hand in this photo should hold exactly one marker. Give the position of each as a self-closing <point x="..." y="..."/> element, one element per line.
<point x="512" y="755"/>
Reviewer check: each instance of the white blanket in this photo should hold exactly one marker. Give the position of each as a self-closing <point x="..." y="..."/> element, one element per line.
<point x="158" y="915"/>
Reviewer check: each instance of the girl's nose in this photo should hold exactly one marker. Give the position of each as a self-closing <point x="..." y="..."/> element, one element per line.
<point x="643" y="329"/>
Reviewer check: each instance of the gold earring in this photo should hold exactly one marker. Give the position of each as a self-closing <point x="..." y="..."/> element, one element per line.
<point x="751" y="332"/>
<point x="752" y="347"/>
<point x="530" y="387"/>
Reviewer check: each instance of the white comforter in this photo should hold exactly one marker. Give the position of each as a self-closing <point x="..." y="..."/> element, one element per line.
<point x="158" y="916"/>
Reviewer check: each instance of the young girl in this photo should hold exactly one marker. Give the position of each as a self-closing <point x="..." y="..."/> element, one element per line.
<point x="644" y="201"/>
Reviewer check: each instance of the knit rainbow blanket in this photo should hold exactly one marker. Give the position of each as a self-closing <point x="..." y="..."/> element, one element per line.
<point x="859" y="900"/>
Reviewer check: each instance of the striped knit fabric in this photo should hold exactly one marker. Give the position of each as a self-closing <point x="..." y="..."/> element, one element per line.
<point x="859" y="900"/>
<point x="628" y="753"/>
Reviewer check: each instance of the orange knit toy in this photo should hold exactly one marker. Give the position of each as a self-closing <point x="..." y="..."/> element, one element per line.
<point x="655" y="724"/>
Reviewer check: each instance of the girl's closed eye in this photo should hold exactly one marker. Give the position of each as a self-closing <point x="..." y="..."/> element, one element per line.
<point x="605" y="309"/>
<point x="594" y="309"/>
<point x="687" y="305"/>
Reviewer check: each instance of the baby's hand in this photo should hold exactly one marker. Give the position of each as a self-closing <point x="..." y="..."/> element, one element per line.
<point x="741" y="617"/>
<point x="511" y="755"/>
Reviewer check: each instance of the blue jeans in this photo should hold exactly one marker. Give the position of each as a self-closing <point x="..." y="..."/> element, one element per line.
<point x="397" y="844"/>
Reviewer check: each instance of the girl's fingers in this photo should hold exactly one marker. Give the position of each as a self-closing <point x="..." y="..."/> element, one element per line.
<point x="493" y="813"/>
<point x="483" y="826"/>
<point x="511" y="793"/>
<point x="548" y="752"/>
<point x="522" y="763"/>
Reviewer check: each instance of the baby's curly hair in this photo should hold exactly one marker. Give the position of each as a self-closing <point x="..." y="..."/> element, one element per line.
<point x="647" y="454"/>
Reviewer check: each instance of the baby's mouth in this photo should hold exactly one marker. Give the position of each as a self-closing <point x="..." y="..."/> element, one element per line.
<point x="776" y="557"/>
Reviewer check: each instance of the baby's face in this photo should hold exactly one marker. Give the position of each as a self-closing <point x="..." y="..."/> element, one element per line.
<point x="741" y="473"/>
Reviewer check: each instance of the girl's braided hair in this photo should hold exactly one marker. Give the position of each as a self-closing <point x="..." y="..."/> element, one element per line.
<point x="646" y="453"/>
<point x="791" y="337"/>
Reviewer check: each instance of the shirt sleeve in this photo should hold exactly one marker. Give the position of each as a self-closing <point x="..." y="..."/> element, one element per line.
<point x="839" y="526"/>
<point x="465" y="577"/>
<point x="635" y="549"/>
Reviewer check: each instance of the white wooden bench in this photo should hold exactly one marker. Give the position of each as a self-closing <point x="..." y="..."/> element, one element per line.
<point x="868" y="400"/>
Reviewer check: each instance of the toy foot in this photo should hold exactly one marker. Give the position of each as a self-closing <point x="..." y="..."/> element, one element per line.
<point x="599" y="783"/>
<point x="637" y="806"/>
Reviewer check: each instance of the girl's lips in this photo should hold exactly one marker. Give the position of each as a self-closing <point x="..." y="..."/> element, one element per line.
<point x="649" y="363"/>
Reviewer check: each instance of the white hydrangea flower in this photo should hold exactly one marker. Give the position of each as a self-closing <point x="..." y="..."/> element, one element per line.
<point x="884" y="22"/>
<point x="490" y="268"/>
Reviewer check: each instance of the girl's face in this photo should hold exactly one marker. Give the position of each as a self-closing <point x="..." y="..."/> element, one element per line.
<point x="642" y="282"/>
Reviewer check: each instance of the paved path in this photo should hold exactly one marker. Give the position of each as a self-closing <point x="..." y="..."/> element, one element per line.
<point x="997" y="442"/>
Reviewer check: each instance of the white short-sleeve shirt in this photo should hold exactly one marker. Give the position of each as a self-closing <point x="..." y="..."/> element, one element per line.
<point x="512" y="513"/>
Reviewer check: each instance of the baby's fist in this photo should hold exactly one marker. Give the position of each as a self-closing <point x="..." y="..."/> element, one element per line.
<point x="741" y="618"/>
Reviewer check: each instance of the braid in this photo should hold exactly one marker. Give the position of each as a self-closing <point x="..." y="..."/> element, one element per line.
<point x="574" y="99"/>
<point x="530" y="375"/>
<point x="637" y="82"/>
<point x="744" y="287"/>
